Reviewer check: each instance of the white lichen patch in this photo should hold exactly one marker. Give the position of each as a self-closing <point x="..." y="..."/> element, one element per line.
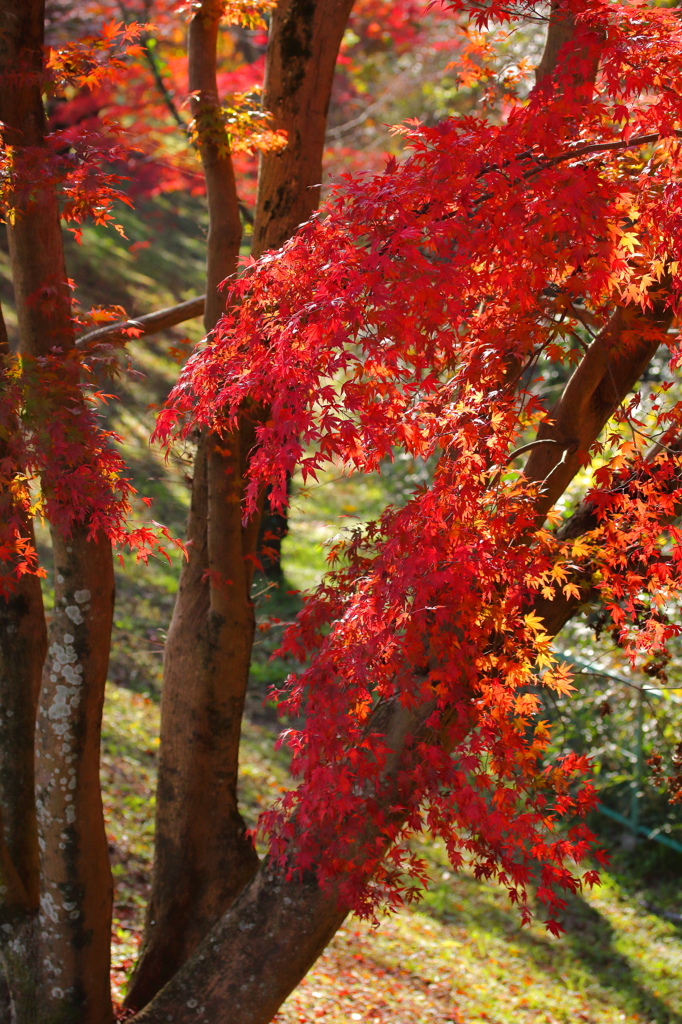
<point x="62" y="702"/>
<point x="48" y="908"/>
<point x="74" y="613"/>
<point x="82" y="596"/>
<point x="71" y="674"/>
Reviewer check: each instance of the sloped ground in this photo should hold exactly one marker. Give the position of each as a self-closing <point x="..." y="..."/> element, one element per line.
<point x="461" y="957"/>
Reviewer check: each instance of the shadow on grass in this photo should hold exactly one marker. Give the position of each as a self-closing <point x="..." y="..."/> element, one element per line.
<point x="589" y="942"/>
<point x="592" y="940"/>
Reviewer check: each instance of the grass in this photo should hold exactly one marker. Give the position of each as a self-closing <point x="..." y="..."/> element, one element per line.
<point x="460" y="956"/>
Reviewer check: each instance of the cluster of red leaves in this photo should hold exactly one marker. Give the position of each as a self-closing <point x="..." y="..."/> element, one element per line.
<point x="75" y="160"/>
<point x="61" y="465"/>
<point x="404" y="318"/>
<point x="142" y="78"/>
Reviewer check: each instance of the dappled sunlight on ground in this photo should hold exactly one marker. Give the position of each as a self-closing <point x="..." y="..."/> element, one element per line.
<point x="462" y="957"/>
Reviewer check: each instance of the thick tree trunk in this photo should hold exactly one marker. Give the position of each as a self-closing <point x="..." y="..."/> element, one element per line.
<point x="254" y="957"/>
<point x="76" y="885"/>
<point x="304" y="43"/>
<point x="305" y="36"/>
<point x="202" y="857"/>
<point x="58" y="962"/>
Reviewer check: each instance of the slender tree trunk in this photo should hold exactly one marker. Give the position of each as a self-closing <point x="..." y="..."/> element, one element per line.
<point x="58" y="964"/>
<point x="202" y="854"/>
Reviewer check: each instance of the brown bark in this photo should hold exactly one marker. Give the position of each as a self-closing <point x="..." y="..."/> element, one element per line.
<point x="203" y="857"/>
<point x="23" y="643"/>
<point x="58" y="964"/>
<point x="560" y="32"/>
<point x="607" y="373"/>
<point x="305" y="36"/>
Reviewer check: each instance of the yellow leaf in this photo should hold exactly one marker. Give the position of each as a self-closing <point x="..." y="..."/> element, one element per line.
<point x="534" y="622"/>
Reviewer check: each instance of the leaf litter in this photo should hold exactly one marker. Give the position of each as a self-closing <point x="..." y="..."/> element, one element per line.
<point x="461" y="958"/>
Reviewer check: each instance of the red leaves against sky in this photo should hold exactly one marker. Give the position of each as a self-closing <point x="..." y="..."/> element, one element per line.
<point x="405" y="316"/>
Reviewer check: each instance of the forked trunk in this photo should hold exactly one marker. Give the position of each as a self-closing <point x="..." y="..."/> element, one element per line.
<point x="202" y="857"/>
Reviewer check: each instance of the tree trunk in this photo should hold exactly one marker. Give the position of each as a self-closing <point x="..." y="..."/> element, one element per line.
<point x="76" y="885"/>
<point x="57" y="963"/>
<point x="202" y="856"/>
<point x="305" y="36"/>
<point x="304" y="43"/>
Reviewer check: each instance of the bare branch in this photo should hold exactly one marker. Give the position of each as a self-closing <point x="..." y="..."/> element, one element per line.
<point x="150" y="323"/>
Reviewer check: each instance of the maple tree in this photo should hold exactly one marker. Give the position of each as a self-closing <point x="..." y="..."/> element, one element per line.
<point x="412" y="316"/>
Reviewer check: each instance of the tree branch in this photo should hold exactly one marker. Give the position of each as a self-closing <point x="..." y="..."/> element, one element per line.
<point x="150" y="323"/>
<point x="160" y="84"/>
<point x="602" y="379"/>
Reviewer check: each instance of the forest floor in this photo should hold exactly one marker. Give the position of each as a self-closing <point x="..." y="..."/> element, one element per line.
<point x="460" y="955"/>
